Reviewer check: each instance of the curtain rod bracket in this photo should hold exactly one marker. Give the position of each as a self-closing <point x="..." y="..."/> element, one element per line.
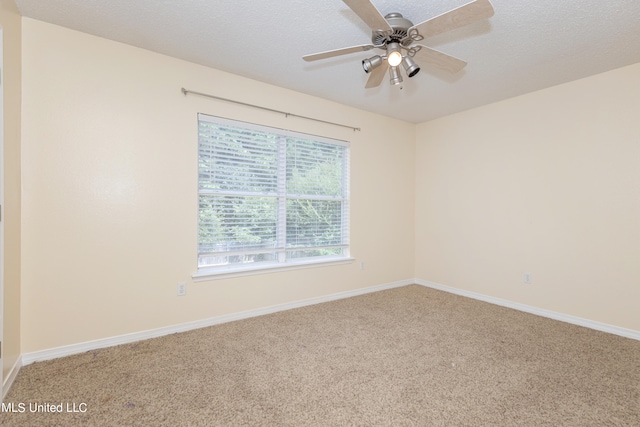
<point x="187" y="91"/>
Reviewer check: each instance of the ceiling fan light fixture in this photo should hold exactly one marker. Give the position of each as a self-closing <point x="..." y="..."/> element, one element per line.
<point x="370" y="64"/>
<point x="394" y="57"/>
<point x="396" y="78"/>
<point x="410" y="66"/>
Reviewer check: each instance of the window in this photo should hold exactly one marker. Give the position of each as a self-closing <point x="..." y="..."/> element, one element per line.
<point x="269" y="197"/>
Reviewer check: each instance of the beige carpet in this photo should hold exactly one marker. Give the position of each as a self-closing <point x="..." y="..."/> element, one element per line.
<point x="410" y="356"/>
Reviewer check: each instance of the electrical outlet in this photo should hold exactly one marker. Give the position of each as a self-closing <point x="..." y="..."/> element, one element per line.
<point x="182" y="289"/>
<point x="528" y="278"/>
<point x="361" y="265"/>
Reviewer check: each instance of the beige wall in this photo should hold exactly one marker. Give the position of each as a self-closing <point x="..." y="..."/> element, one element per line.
<point x="547" y="183"/>
<point x="109" y="198"/>
<point x="10" y="22"/>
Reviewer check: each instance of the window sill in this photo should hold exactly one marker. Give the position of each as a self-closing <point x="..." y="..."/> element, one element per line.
<point x="227" y="272"/>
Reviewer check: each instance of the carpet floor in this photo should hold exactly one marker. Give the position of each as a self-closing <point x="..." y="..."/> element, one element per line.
<point x="410" y="356"/>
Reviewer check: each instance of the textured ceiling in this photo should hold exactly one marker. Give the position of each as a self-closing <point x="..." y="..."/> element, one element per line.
<point x="526" y="46"/>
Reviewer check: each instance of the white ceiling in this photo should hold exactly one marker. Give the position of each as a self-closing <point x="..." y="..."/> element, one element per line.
<point x="526" y="46"/>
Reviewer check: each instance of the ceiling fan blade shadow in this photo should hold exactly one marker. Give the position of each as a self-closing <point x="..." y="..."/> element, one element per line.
<point x="337" y="52"/>
<point x="438" y="59"/>
<point x="377" y="75"/>
<point x="370" y="15"/>
<point x="456" y="18"/>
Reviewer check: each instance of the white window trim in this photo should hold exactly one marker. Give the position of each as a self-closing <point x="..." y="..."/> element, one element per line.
<point x="239" y="271"/>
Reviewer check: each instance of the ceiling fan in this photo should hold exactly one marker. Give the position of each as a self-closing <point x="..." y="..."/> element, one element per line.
<point x="396" y="35"/>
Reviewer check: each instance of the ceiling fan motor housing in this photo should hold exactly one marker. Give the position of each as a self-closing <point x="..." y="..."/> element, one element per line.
<point x="400" y="27"/>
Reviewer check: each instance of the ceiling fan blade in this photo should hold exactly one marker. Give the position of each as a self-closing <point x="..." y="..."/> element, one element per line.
<point x="456" y="18"/>
<point x="370" y="15"/>
<point x="377" y="75"/>
<point x="337" y="52"/>
<point x="438" y="59"/>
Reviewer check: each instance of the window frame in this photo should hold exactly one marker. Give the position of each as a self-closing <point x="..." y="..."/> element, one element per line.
<point x="281" y="263"/>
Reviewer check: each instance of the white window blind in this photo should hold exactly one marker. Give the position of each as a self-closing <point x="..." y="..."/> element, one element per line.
<point x="269" y="196"/>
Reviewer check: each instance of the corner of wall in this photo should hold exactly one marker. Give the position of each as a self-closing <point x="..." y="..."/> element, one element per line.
<point x="11" y="24"/>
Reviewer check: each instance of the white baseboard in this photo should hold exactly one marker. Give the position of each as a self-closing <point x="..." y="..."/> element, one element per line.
<point x="13" y="373"/>
<point x="603" y="327"/>
<point x="68" y="350"/>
